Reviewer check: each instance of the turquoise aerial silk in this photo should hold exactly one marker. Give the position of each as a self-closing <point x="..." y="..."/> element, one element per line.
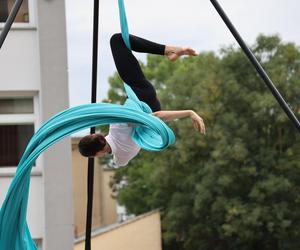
<point x="150" y="134"/>
<point x="124" y="24"/>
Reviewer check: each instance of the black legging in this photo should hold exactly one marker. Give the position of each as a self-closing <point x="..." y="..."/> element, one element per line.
<point x="130" y="70"/>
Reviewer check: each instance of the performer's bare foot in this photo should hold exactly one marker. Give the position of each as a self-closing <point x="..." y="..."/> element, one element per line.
<point x="173" y="53"/>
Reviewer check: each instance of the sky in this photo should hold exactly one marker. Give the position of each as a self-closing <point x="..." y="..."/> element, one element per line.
<point x="193" y="23"/>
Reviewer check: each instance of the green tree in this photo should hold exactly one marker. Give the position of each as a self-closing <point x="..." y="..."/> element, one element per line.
<point x="238" y="187"/>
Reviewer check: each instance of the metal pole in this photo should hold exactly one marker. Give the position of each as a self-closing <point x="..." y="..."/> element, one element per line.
<point x="11" y="18"/>
<point x="90" y="185"/>
<point x="257" y="65"/>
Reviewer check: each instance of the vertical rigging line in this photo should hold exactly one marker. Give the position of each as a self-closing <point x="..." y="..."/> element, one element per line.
<point x="90" y="178"/>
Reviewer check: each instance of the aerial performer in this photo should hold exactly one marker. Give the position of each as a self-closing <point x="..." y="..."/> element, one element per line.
<point x="119" y="142"/>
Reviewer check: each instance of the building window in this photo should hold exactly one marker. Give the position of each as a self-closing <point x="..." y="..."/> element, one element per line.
<point x="13" y="141"/>
<point x="16" y="129"/>
<point x="16" y="106"/>
<point x="6" y="7"/>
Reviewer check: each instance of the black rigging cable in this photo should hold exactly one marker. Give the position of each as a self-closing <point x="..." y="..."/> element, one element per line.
<point x="11" y="18"/>
<point x="262" y="73"/>
<point x="90" y="179"/>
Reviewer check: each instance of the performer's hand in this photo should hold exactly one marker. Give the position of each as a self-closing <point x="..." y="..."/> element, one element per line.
<point x="197" y="122"/>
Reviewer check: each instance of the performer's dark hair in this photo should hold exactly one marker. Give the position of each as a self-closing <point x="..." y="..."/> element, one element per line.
<point x="91" y="144"/>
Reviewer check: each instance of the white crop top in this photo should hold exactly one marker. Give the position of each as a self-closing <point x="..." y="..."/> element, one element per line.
<point x="122" y="146"/>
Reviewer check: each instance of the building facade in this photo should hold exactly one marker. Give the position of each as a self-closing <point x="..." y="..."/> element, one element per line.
<point x="33" y="87"/>
<point x="140" y="233"/>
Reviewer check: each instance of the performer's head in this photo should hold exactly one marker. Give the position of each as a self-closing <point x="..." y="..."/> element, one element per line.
<point x="93" y="145"/>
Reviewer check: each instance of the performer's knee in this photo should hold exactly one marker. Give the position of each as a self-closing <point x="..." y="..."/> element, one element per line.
<point x="116" y="39"/>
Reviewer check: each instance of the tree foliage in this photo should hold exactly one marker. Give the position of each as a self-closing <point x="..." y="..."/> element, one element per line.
<point x="237" y="187"/>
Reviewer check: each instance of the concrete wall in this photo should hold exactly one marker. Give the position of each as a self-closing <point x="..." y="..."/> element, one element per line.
<point x="19" y="61"/>
<point x="57" y="169"/>
<point x="109" y="205"/>
<point x="142" y="233"/>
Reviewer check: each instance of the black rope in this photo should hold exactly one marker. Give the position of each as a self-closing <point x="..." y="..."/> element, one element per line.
<point x="257" y="65"/>
<point x="90" y="179"/>
<point x="11" y="18"/>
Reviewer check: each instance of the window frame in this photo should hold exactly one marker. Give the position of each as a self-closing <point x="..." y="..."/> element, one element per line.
<point x="32" y="19"/>
<point x="18" y="119"/>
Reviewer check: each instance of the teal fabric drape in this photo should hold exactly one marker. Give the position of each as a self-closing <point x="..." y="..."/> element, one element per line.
<point x="124" y="24"/>
<point x="150" y="134"/>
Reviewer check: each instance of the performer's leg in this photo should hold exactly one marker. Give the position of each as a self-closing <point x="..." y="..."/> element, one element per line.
<point x="142" y="45"/>
<point x="130" y="70"/>
<point x="139" y="44"/>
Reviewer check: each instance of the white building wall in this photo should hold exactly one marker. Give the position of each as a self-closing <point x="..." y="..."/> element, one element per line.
<point x="57" y="170"/>
<point x="33" y="61"/>
<point x="19" y="61"/>
<point x="20" y="76"/>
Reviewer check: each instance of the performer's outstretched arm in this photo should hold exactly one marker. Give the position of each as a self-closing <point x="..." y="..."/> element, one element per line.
<point x="170" y="115"/>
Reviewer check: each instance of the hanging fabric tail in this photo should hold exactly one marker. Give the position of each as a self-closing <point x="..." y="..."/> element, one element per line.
<point x="124" y="24"/>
